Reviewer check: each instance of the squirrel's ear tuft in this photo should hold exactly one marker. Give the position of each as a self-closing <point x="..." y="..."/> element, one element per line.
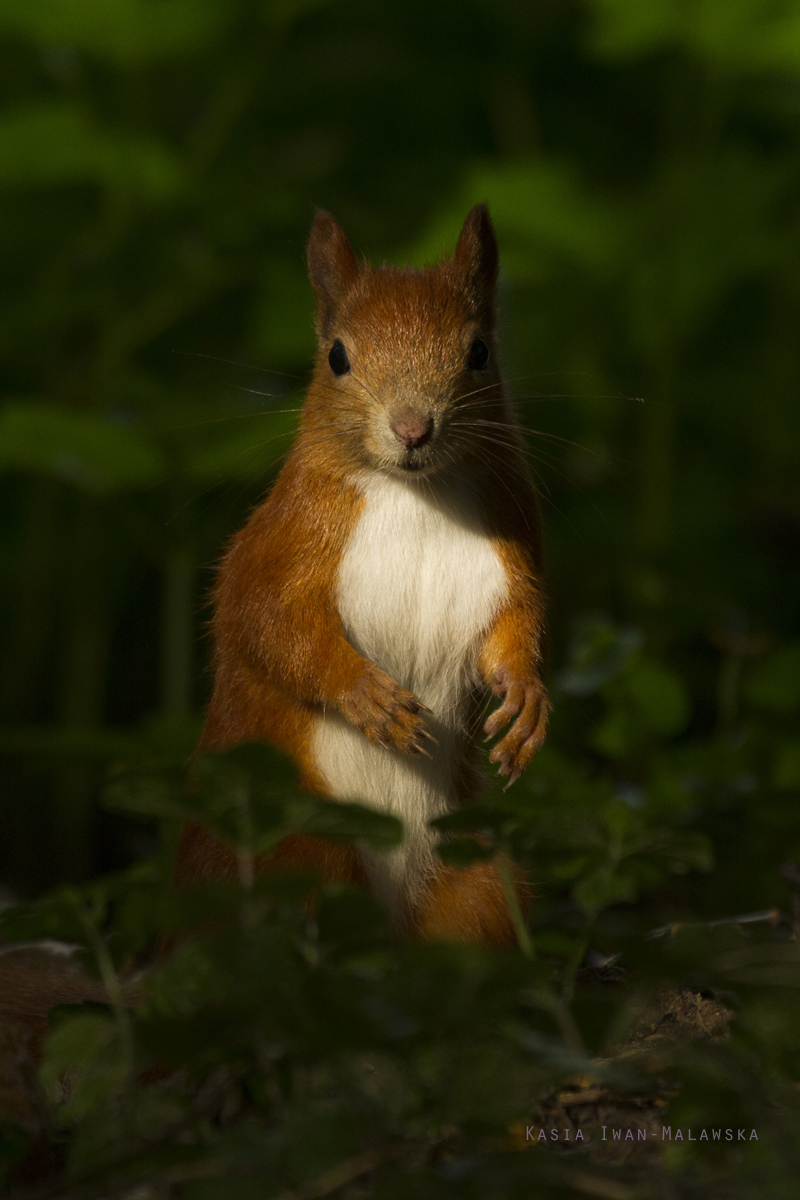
<point x="477" y="259"/>
<point x="332" y="266"/>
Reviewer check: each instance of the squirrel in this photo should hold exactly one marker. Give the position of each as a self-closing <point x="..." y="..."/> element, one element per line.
<point x="389" y="583"/>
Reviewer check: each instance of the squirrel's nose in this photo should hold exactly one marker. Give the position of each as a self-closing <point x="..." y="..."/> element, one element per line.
<point x="412" y="428"/>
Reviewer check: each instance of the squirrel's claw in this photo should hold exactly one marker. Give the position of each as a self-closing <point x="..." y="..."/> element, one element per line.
<point x="529" y="703"/>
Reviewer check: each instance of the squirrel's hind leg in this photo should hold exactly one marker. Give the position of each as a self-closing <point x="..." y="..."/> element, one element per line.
<point x="332" y="862"/>
<point x="201" y="857"/>
<point x="465" y="905"/>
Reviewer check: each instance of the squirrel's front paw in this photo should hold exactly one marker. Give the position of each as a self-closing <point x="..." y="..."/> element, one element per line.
<point x="526" y="700"/>
<point x="387" y="714"/>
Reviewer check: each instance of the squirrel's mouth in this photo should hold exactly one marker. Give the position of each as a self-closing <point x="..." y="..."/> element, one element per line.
<point x="417" y="462"/>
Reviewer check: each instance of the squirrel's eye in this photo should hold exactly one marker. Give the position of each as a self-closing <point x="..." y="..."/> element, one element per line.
<point x="340" y="363"/>
<point x="478" y="355"/>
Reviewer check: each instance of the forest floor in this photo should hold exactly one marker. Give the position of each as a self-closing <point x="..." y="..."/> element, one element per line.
<point x="603" y="1124"/>
<point x="673" y="1017"/>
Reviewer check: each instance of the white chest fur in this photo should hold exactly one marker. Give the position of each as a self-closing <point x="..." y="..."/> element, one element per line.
<point x="418" y="586"/>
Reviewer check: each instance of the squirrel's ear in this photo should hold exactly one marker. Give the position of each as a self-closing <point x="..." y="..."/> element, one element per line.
<point x="332" y="266"/>
<point x="477" y="259"/>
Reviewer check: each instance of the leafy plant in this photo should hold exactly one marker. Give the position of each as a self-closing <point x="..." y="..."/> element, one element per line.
<point x="159" y="165"/>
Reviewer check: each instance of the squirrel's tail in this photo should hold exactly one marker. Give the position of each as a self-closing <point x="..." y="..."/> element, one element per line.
<point x="36" y="976"/>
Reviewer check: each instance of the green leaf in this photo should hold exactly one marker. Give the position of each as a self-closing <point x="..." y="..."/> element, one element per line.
<point x="354" y="822"/>
<point x="260" y="767"/>
<point x="190" y="980"/>
<point x="352" y="921"/>
<point x="199" y="907"/>
<point x="146" y="795"/>
<point x="248" y="795"/>
<point x="84" y="450"/>
<point x="55" y="916"/>
<point x="603" y="887"/>
<point x="542" y="214"/>
<point x="598" y="653"/>
<point x="646" y="701"/>
<point x="48" y="144"/>
<point x="659" y="696"/>
<point x="689" y="852"/>
<point x="84" y="1065"/>
<point x="786" y="767"/>
<point x="740" y="36"/>
<point x="122" y="907"/>
<point x="491" y="1085"/>
<point x="775" y="683"/>
<point x="569" y="868"/>
<point x="124" y="32"/>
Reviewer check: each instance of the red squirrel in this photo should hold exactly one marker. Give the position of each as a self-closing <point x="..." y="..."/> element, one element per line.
<point x="390" y="581"/>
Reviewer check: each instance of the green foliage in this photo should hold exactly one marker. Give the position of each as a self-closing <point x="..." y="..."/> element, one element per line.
<point x="542" y="215"/>
<point x="86" y="451"/>
<point x="745" y="35"/>
<point x="775" y="686"/>
<point x="126" y="32"/>
<point x="57" y="144"/>
<point x="85" y="1066"/>
<point x="243" y="795"/>
<point x="293" y="1043"/>
<point x="159" y="166"/>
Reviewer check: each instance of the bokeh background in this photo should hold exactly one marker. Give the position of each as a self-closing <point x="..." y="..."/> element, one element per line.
<point x="160" y="161"/>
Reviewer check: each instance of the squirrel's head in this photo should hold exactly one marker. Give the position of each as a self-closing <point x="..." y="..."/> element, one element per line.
<point x="406" y="365"/>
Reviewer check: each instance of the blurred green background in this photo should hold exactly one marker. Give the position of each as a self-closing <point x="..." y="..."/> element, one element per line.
<point x="160" y="161"/>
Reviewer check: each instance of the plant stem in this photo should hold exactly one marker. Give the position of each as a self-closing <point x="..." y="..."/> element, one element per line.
<point x="568" y="983"/>
<point x="512" y="900"/>
<point x="113" y="987"/>
<point x="551" y="1003"/>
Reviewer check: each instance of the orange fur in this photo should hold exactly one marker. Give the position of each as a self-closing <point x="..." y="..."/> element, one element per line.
<point x="466" y="905"/>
